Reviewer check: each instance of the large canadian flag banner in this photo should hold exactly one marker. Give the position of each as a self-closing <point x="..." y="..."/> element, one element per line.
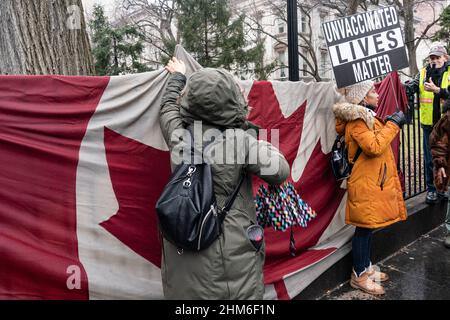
<point x="84" y="161"/>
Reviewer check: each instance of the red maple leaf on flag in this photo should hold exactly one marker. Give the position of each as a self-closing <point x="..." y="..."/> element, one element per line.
<point x="138" y="175"/>
<point x="316" y="186"/>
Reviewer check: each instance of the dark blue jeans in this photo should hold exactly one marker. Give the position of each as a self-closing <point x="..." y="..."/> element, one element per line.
<point x="361" y="249"/>
<point x="428" y="161"/>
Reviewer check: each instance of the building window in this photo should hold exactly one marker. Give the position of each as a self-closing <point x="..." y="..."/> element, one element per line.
<point x="303" y="23"/>
<point x="282" y="62"/>
<point x="281" y="26"/>
<point x="304" y="64"/>
<point x="323" y="63"/>
<point x="322" y="21"/>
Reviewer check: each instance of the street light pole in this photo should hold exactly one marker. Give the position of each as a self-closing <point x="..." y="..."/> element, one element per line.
<point x="292" y="23"/>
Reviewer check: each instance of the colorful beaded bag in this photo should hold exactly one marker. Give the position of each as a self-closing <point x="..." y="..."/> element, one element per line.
<point x="281" y="207"/>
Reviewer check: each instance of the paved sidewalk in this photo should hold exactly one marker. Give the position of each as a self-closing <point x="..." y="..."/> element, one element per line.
<point x="419" y="271"/>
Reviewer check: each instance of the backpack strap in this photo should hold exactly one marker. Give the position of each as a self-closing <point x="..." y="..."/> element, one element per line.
<point x="230" y="200"/>
<point x="233" y="196"/>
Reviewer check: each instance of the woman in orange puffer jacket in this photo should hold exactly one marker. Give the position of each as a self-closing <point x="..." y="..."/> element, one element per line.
<point x="375" y="198"/>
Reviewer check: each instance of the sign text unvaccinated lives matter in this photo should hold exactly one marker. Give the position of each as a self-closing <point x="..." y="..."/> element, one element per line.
<point x="365" y="46"/>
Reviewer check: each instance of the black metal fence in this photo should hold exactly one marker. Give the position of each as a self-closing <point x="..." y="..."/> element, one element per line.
<point x="411" y="160"/>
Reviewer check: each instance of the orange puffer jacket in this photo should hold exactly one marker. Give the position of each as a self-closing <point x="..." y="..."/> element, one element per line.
<point x="375" y="197"/>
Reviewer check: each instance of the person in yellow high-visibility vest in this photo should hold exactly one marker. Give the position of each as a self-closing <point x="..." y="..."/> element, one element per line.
<point x="432" y="85"/>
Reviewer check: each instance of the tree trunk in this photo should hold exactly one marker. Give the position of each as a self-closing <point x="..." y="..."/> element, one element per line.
<point x="44" y="37"/>
<point x="408" y="7"/>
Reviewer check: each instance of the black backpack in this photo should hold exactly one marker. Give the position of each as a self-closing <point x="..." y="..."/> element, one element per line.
<point x="339" y="159"/>
<point x="187" y="208"/>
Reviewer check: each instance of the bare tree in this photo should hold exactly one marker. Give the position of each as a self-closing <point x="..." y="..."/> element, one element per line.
<point x="44" y="37"/>
<point x="341" y="8"/>
<point x="155" y="21"/>
<point x="306" y="47"/>
<point x="406" y="10"/>
<point x="352" y="7"/>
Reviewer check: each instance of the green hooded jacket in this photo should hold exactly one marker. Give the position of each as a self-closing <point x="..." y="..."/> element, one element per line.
<point x="231" y="268"/>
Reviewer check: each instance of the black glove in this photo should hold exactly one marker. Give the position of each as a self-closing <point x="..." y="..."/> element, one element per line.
<point x="398" y="118"/>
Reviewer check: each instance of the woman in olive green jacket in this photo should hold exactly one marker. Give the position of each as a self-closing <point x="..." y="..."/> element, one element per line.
<point x="231" y="268"/>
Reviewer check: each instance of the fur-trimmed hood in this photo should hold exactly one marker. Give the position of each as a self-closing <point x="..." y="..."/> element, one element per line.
<point x="349" y="112"/>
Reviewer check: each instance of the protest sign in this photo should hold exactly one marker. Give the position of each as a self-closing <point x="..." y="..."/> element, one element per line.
<point x="365" y="46"/>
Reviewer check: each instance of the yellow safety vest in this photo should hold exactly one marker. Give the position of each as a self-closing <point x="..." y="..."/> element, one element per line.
<point x="426" y="98"/>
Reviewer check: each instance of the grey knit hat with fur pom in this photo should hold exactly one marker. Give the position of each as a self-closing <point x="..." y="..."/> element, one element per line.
<point x="355" y="93"/>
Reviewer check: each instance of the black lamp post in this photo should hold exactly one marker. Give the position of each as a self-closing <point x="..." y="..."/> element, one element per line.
<point x="292" y="23"/>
